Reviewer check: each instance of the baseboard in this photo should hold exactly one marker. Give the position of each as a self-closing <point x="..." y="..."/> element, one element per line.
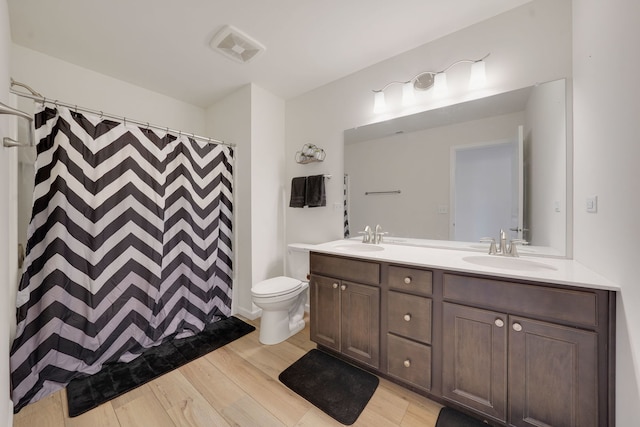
<point x="251" y="315"/>
<point x="10" y="414"/>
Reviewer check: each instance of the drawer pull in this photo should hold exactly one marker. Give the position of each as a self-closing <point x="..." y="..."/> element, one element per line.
<point x="407" y="280"/>
<point x="499" y="323"/>
<point x="335" y="286"/>
<point x="343" y="287"/>
<point x="407" y="363"/>
<point x="517" y="327"/>
<point x="407" y="317"/>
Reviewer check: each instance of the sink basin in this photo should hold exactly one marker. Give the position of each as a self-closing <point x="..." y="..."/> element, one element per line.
<point x="508" y="263"/>
<point x="485" y="247"/>
<point x="358" y="247"/>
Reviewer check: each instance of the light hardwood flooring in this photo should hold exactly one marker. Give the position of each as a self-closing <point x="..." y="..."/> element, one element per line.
<point x="236" y="385"/>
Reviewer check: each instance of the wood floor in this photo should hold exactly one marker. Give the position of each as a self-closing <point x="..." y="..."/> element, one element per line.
<point x="236" y="385"/>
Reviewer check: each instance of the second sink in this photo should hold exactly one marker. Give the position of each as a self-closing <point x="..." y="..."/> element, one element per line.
<point x="508" y="263"/>
<point x="358" y="247"/>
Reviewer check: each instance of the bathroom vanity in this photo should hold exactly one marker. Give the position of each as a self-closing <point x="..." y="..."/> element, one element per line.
<point x="527" y="344"/>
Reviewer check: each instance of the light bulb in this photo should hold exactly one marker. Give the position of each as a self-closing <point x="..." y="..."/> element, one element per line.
<point x="379" y="104"/>
<point x="478" y="78"/>
<point x="440" y="85"/>
<point x="408" y="95"/>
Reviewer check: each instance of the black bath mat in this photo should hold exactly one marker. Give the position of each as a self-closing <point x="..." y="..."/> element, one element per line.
<point x="85" y="393"/>
<point x="451" y="418"/>
<point x="336" y="387"/>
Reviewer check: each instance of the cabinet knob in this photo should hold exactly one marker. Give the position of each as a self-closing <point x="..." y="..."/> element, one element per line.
<point x="407" y="363"/>
<point x="335" y="286"/>
<point x="499" y="323"/>
<point x="517" y="327"/>
<point x="407" y="280"/>
<point x="407" y="317"/>
<point x="343" y="287"/>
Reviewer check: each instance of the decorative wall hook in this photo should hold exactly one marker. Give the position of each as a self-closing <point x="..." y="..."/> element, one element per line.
<point x="309" y="154"/>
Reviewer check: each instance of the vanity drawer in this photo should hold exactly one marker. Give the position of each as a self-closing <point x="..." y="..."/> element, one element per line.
<point x="410" y="279"/>
<point x="570" y="306"/>
<point x="345" y="268"/>
<point x="409" y="361"/>
<point x="410" y="316"/>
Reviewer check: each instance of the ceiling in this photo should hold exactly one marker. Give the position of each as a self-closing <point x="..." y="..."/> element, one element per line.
<point x="163" y="45"/>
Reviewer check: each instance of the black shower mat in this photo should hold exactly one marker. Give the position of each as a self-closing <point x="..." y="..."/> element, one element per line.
<point x="337" y="388"/>
<point x="87" y="392"/>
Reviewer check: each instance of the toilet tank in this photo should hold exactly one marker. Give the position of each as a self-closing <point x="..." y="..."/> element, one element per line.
<point x="297" y="263"/>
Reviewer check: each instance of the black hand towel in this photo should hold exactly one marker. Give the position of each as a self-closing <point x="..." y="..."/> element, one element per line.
<point x="298" y="192"/>
<point x="315" y="191"/>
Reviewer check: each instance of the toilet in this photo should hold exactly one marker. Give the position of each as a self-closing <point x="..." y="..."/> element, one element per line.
<point x="282" y="299"/>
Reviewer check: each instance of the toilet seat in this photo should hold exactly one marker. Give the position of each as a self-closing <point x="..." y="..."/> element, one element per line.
<point x="276" y="286"/>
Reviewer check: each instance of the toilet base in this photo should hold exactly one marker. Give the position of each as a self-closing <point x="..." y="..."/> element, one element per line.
<point x="275" y="328"/>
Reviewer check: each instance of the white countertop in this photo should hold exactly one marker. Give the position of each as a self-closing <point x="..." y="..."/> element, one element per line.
<point x="537" y="269"/>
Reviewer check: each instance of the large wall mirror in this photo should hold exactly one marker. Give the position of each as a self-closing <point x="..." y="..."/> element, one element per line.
<point x="465" y="171"/>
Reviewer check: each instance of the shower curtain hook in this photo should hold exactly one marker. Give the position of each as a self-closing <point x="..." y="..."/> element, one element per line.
<point x="147" y="125"/>
<point x="101" y="114"/>
<point x="55" y="103"/>
<point x="44" y="100"/>
<point x="76" y="110"/>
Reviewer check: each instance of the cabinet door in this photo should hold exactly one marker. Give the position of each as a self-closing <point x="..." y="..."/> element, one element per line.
<point x="325" y="311"/>
<point x="552" y="375"/>
<point x="360" y="319"/>
<point x="474" y="358"/>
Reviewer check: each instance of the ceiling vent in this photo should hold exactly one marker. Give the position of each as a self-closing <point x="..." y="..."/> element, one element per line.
<point x="236" y="45"/>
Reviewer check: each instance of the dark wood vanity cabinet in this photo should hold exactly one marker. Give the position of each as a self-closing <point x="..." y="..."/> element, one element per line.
<point x="524" y="354"/>
<point x="409" y="323"/>
<point x="346" y="314"/>
<point x="515" y="353"/>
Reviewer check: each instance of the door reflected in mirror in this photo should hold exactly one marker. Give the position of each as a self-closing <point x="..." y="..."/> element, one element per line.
<point x="408" y="167"/>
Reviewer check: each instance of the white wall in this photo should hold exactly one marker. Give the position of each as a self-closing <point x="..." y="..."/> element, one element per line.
<point x="606" y="64"/>
<point x="253" y="119"/>
<point x="230" y="121"/>
<point x="267" y="191"/>
<point x="7" y="258"/>
<point x="57" y="79"/>
<point x="528" y="44"/>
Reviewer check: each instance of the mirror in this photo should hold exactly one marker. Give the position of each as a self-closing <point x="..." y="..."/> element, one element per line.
<point x="433" y="176"/>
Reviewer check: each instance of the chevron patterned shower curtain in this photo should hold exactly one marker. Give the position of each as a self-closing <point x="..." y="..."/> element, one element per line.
<point x="129" y="245"/>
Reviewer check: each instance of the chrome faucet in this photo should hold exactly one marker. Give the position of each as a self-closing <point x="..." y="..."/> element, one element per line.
<point x="377" y="237"/>
<point x="367" y="235"/>
<point x="505" y="249"/>
<point x="503" y="242"/>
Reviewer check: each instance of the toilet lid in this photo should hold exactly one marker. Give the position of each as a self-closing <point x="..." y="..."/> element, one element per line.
<point x="276" y="286"/>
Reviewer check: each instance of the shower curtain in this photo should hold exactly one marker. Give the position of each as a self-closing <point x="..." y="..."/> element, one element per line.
<point x="129" y="245"/>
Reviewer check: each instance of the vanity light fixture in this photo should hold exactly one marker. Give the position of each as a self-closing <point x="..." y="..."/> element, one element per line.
<point x="428" y="79"/>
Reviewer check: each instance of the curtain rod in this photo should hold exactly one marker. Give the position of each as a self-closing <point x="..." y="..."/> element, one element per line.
<point x="35" y="96"/>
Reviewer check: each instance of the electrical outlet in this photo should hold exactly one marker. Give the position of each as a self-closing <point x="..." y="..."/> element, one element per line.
<point x="443" y="209"/>
<point x="592" y="204"/>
